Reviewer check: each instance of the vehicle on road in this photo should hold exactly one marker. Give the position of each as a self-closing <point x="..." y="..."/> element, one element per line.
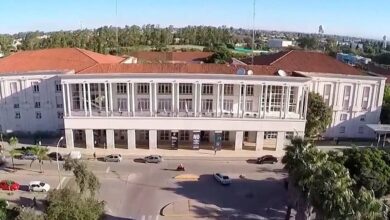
<point x="75" y="155"/>
<point x="180" y="168"/>
<point x="153" y="159"/>
<point x="113" y="158"/>
<point x="223" y="179"/>
<point x="9" y="185"/>
<point x="38" y="186"/>
<point x="28" y="156"/>
<point x="267" y="159"/>
<point x="53" y="156"/>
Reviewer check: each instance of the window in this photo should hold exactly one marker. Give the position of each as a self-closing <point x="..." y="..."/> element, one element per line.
<point x="362" y="118"/>
<point x="270" y="135"/>
<point x="164" y="88"/>
<point x="143" y="105"/>
<point x="60" y="115"/>
<point x="144" y="135"/>
<point x="37" y="104"/>
<point x="249" y="90"/>
<point x="35" y="87"/>
<point x="58" y="86"/>
<point x="346" y="97"/>
<point x="14" y="87"/>
<point x="228" y="105"/>
<point x="207" y="105"/>
<point x="327" y="89"/>
<point x="16" y="105"/>
<point x="121" y="88"/>
<point x="59" y="102"/>
<point x="142" y="88"/>
<point x="276" y="98"/>
<point x="164" y="104"/>
<point x="17" y="115"/>
<point x="185" y="88"/>
<point x="361" y="130"/>
<point x="164" y="135"/>
<point x="207" y="89"/>
<point x="185" y="105"/>
<point x="366" y="93"/>
<point x="38" y="115"/>
<point x="293" y="100"/>
<point x="16" y="102"/>
<point x="342" y="130"/>
<point x="289" y="135"/>
<point x="225" y="135"/>
<point x="249" y="105"/>
<point x="228" y="89"/>
<point x="343" y="117"/>
<point x="122" y="104"/>
<point x="184" y="135"/>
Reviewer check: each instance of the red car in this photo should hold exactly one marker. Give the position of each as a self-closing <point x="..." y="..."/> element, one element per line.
<point x="9" y="185"/>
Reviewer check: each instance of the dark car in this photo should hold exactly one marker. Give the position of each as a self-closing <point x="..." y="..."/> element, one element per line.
<point x="267" y="159"/>
<point x="53" y="156"/>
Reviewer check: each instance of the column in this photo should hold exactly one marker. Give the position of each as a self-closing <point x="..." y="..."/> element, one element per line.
<point x="239" y="140"/>
<point x="69" y="138"/>
<point x="200" y="99"/>
<point x="244" y="102"/>
<point x="110" y="139"/>
<point x="270" y="97"/>
<point x="133" y="98"/>
<point x="99" y="85"/>
<point x="301" y="102"/>
<point x="152" y="139"/>
<point x="128" y="98"/>
<point x="173" y="98"/>
<point x="265" y="100"/>
<point x="306" y="101"/>
<point x="85" y="99"/>
<point x="259" y="140"/>
<point x="355" y="100"/>
<point x="111" y="101"/>
<point x="63" y="99"/>
<point x="69" y="103"/>
<point x="222" y="97"/>
<point x="106" y="98"/>
<point x="151" y="98"/>
<point x="260" y="104"/>
<point x="282" y="103"/>
<point x="89" y="100"/>
<point x="217" y="110"/>
<point x="299" y="99"/>
<point x="131" y="139"/>
<point x="239" y="101"/>
<point x="287" y="101"/>
<point x="280" y="143"/>
<point x="195" y="92"/>
<point x="89" y="140"/>
<point x="177" y="98"/>
<point x="155" y="100"/>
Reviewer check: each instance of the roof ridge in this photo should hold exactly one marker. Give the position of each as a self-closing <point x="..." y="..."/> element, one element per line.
<point x="281" y="57"/>
<point x="83" y="52"/>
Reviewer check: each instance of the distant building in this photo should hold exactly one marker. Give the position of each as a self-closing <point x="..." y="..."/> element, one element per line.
<point x="352" y="59"/>
<point x="279" y="43"/>
<point x="384" y="45"/>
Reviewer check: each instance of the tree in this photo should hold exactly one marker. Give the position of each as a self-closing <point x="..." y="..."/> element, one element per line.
<point x="85" y="179"/>
<point x="385" y="112"/>
<point x="308" y="43"/>
<point x="319" y="115"/>
<point x="3" y="209"/>
<point x="13" y="153"/>
<point x="13" y="141"/>
<point x="383" y="58"/>
<point x="41" y="153"/>
<point x="67" y="204"/>
<point x="29" y="214"/>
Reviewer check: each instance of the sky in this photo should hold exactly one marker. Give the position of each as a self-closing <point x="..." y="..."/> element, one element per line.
<point x="362" y="18"/>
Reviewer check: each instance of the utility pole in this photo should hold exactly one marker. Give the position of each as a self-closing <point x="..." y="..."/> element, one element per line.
<point x="116" y="31"/>
<point x="253" y="31"/>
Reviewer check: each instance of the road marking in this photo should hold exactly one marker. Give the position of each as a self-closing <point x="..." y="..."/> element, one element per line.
<point x="108" y="169"/>
<point x="61" y="182"/>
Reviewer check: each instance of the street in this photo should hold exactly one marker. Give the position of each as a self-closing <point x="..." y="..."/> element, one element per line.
<point x="135" y="190"/>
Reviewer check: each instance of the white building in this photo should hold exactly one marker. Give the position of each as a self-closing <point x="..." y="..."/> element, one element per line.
<point x="279" y="43"/>
<point x="99" y="103"/>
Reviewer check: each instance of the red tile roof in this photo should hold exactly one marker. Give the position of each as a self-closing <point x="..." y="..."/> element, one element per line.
<point x="54" y="59"/>
<point x="380" y="71"/>
<point x="170" y="57"/>
<point x="177" y="68"/>
<point x="299" y="60"/>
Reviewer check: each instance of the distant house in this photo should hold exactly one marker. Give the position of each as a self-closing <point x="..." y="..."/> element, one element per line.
<point x="352" y="59"/>
<point x="279" y="43"/>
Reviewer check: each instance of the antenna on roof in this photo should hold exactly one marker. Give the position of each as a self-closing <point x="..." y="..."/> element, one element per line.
<point x="253" y="31"/>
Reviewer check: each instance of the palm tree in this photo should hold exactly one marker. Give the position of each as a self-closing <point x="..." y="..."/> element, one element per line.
<point x="85" y="179"/>
<point x="41" y="153"/>
<point x="13" y="153"/>
<point x="13" y="141"/>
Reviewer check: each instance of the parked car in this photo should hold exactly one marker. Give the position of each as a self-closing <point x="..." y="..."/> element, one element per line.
<point x="53" y="156"/>
<point x="38" y="186"/>
<point x="113" y="158"/>
<point x="267" y="159"/>
<point x="223" y="179"/>
<point x="28" y="156"/>
<point x="75" y="155"/>
<point x="9" y="185"/>
<point x="153" y="159"/>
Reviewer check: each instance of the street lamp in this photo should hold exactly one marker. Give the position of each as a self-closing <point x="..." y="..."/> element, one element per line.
<point x="58" y="164"/>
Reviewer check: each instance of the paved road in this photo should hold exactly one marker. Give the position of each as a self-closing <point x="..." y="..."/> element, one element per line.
<point x="135" y="190"/>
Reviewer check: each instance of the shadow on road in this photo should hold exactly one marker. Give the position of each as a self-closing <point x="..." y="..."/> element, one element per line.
<point x="255" y="199"/>
<point x="139" y="160"/>
<point x="110" y="217"/>
<point x="251" y="161"/>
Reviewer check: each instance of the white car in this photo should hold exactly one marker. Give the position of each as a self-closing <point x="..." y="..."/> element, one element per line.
<point x="223" y="179"/>
<point x="113" y="158"/>
<point x="38" y="186"/>
<point x="153" y="159"/>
